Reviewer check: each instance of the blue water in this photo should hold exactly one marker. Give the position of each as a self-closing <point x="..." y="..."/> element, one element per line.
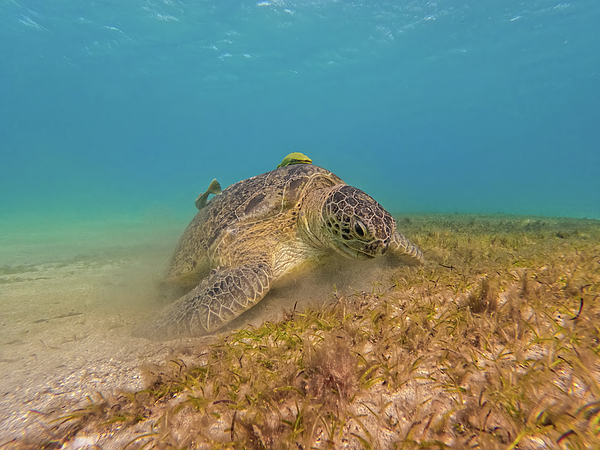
<point x="130" y="108"/>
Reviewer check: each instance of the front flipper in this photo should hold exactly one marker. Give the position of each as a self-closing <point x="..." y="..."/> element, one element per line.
<point x="400" y="246"/>
<point x="217" y="300"/>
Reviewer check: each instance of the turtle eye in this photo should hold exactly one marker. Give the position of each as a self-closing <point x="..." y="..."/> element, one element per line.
<point x="359" y="228"/>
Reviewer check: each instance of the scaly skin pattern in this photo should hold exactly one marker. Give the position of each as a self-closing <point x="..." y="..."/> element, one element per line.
<point x="261" y="228"/>
<point x="218" y="299"/>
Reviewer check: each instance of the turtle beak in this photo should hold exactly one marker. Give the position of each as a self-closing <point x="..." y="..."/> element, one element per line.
<point x="376" y="248"/>
<point x="384" y="247"/>
<point x="369" y="251"/>
<point x="380" y="247"/>
<point x="351" y="252"/>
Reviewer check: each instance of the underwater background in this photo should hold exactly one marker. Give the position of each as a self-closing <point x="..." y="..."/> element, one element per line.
<point x="116" y="114"/>
<point x="127" y="110"/>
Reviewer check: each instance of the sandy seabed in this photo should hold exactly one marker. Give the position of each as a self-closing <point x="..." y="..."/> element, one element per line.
<point x="70" y="295"/>
<point x="68" y="298"/>
<point x="492" y="343"/>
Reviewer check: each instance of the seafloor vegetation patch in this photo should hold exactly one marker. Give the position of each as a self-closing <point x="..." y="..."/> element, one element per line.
<point x="493" y="344"/>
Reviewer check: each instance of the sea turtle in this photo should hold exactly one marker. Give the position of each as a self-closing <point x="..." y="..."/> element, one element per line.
<point x="261" y="228"/>
<point x="295" y="158"/>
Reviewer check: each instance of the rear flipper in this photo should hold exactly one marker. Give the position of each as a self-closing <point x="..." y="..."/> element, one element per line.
<point x="217" y="300"/>
<point x="401" y="247"/>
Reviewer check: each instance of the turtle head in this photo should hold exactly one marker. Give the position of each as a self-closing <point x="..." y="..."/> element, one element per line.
<point x="353" y="223"/>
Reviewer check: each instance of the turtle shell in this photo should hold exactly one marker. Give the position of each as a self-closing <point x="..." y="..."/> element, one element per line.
<point x="261" y="203"/>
